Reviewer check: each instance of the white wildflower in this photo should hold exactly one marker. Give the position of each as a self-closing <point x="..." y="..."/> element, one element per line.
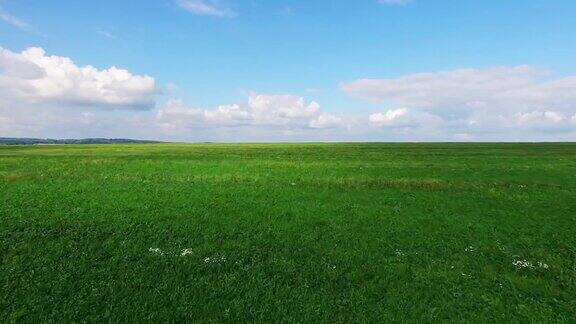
<point x="523" y="264"/>
<point x="215" y="259"/>
<point x="543" y="265"/>
<point x="529" y="265"/>
<point x="186" y="252"/>
<point x="156" y="251"/>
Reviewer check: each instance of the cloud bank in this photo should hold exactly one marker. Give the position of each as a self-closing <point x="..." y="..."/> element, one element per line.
<point x="268" y="110"/>
<point x="51" y="96"/>
<point x="481" y="101"/>
<point x="521" y="87"/>
<point x="33" y="77"/>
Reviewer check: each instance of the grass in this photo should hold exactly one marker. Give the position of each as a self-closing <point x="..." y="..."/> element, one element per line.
<point x="288" y="233"/>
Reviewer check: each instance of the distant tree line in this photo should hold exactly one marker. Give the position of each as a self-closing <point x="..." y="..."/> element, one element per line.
<point x="32" y="141"/>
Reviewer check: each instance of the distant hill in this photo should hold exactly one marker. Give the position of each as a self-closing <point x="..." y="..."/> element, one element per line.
<point x="32" y="141"/>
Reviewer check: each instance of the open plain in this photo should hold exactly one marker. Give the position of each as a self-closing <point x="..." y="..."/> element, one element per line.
<point x="288" y="232"/>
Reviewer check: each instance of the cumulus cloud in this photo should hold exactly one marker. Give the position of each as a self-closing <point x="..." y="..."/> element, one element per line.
<point x="390" y="117"/>
<point x="281" y="109"/>
<point x="536" y="117"/>
<point x="206" y="8"/>
<point x="493" y="100"/>
<point x="511" y="88"/>
<point x="285" y="111"/>
<point x="544" y="121"/>
<point x="36" y="78"/>
<point x="404" y="118"/>
<point x="329" y="121"/>
<point x="51" y="96"/>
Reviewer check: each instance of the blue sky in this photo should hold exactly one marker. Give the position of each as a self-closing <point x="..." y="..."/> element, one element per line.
<point x="206" y="54"/>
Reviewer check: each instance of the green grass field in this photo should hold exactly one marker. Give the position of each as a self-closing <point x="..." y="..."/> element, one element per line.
<point x="288" y="233"/>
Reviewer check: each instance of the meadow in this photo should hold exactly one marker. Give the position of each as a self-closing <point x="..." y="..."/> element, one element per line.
<point x="288" y="233"/>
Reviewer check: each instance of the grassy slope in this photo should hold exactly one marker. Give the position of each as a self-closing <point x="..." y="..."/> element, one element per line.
<point x="363" y="232"/>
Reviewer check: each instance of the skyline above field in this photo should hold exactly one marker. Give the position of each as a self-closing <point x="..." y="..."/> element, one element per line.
<point x="233" y="70"/>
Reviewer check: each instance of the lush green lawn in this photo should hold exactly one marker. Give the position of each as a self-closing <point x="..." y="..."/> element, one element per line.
<point x="295" y="233"/>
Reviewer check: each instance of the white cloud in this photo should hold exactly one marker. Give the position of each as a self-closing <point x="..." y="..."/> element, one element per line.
<point x="404" y="118"/>
<point x="536" y="117"/>
<point x="105" y="33"/>
<point x="18" y="23"/>
<point x="87" y="118"/>
<point x="390" y="117"/>
<point x="283" y="111"/>
<point x="533" y="125"/>
<point x="329" y="121"/>
<point x="503" y="88"/>
<point x="462" y="88"/>
<point x="206" y="8"/>
<point x="477" y="101"/>
<point x="51" y="96"/>
<point x="5" y="121"/>
<point x="14" y="21"/>
<point x="35" y="78"/>
<point x="262" y="117"/>
<point x="463" y="137"/>
<point x="227" y="115"/>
